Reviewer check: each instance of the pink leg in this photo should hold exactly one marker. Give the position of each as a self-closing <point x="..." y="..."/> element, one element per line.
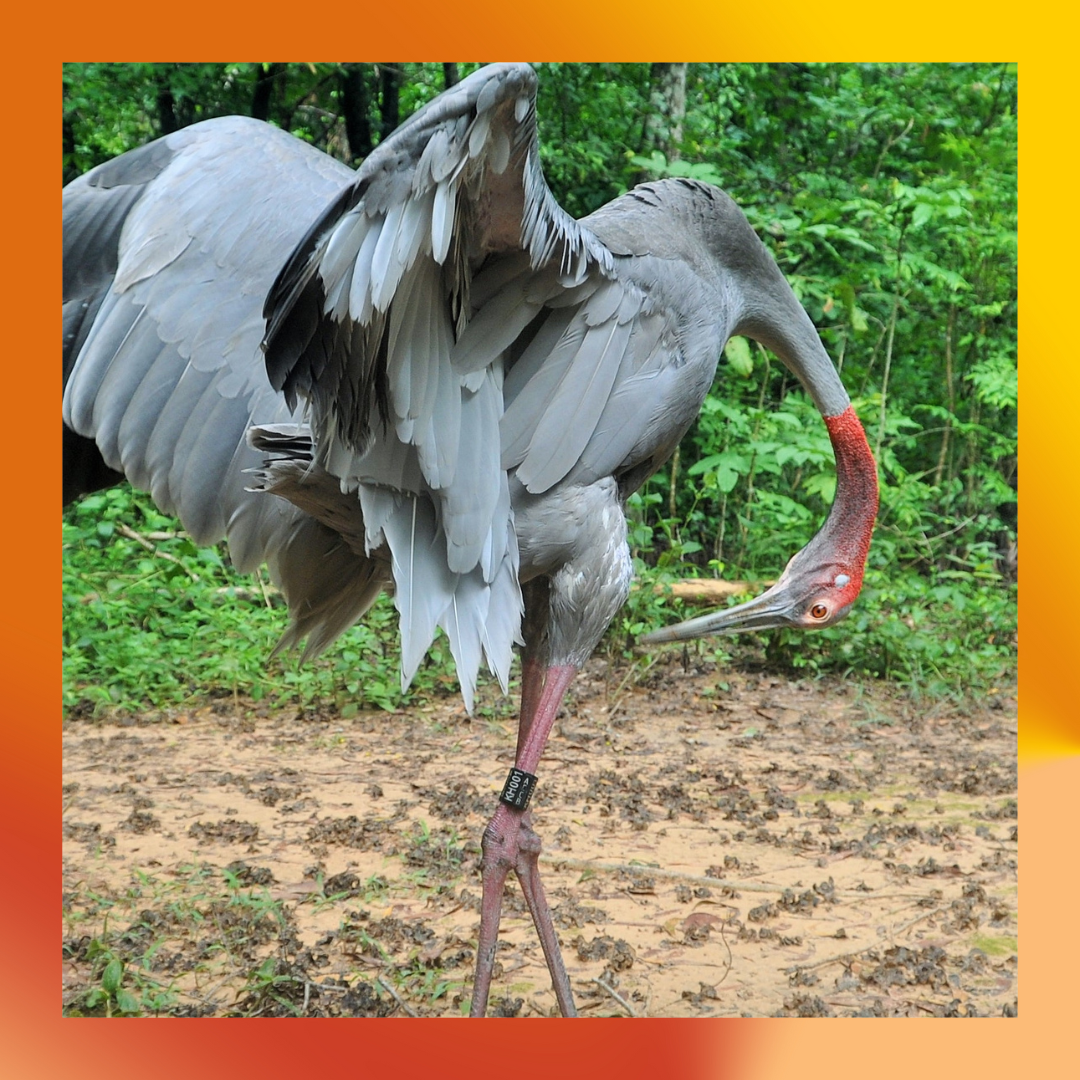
<point x="528" y="873"/>
<point x="533" y="673"/>
<point x="510" y="844"/>
<point x="493" y="871"/>
<point x="534" y="657"/>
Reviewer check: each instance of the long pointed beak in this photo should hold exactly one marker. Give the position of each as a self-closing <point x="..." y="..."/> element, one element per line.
<point x="765" y="612"/>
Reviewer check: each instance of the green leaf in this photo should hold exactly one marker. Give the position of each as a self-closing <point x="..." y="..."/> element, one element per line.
<point x="738" y="355"/>
<point x="127" y="1002"/>
<point x="726" y="479"/>
<point x="111" y="976"/>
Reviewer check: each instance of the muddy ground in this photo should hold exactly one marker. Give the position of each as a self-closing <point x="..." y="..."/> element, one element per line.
<point x="773" y="848"/>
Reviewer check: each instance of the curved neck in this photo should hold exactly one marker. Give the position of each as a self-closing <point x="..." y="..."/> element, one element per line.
<point x="854" y="508"/>
<point x="773" y="315"/>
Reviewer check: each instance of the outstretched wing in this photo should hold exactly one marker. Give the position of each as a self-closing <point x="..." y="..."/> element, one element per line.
<point x="169" y="252"/>
<point x="391" y="320"/>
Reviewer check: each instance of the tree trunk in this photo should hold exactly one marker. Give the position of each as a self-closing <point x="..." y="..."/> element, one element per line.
<point x="451" y="76"/>
<point x="667" y="110"/>
<point x="389" y="88"/>
<point x="710" y="590"/>
<point x="70" y="171"/>
<point x="950" y="397"/>
<point x="166" y="106"/>
<point x="267" y="77"/>
<point x="356" y="104"/>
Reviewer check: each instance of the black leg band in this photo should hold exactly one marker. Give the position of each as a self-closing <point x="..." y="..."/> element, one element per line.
<point x="518" y="789"/>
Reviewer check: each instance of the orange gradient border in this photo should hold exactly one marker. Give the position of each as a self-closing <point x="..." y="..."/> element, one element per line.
<point x="34" y="1040"/>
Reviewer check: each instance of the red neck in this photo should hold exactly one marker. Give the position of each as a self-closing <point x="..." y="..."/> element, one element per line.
<point x="851" y="519"/>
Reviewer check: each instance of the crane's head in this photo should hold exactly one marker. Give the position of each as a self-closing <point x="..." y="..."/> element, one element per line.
<point x="814" y="591"/>
<point x="820" y="583"/>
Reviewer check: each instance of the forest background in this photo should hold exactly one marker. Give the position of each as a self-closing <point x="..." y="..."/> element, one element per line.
<point x="887" y="194"/>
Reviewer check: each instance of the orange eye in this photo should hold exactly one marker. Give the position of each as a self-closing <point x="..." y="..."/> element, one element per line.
<point x="819" y="611"/>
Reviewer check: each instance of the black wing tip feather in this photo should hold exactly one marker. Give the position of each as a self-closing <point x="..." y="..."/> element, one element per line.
<point x="297" y="268"/>
<point x="84" y="469"/>
<point x="287" y="341"/>
<point x="293" y="309"/>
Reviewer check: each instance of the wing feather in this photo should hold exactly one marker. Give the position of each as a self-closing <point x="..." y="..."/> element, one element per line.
<point x="386" y="271"/>
<point x="570" y="419"/>
<point x="341" y="253"/>
<point x="442" y="220"/>
<point x="539" y="372"/>
<point x="360" y="302"/>
<point x="493" y="329"/>
<point x="181" y="240"/>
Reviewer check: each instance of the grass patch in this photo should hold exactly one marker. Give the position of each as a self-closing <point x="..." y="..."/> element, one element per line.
<point x="995" y="946"/>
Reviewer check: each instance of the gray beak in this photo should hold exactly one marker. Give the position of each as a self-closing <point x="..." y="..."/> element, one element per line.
<point x="765" y="612"/>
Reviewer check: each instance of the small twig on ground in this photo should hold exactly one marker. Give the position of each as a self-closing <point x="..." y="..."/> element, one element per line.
<point x="618" y="997"/>
<point x="131" y="534"/>
<point x="262" y="587"/>
<point x="395" y="995"/>
<point x="918" y="919"/>
<point x="845" y="957"/>
<point x="697" y="879"/>
<point x="619" y="696"/>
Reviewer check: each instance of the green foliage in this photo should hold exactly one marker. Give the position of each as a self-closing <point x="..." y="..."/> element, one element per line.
<point x="591" y="119"/>
<point x="122" y="985"/>
<point x="110" y="108"/>
<point x="887" y="194"/>
<point x="175" y="624"/>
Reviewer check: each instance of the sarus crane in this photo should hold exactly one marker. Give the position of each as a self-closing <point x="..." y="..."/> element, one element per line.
<point x="426" y="376"/>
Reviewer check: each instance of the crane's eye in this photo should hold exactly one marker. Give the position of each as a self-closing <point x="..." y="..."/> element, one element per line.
<point x="819" y="611"/>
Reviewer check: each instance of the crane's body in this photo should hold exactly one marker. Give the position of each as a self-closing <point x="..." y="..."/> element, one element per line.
<point x="449" y="385"/>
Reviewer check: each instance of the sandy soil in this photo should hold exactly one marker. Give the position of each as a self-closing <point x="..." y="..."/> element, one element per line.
<point x="775" y="848"/>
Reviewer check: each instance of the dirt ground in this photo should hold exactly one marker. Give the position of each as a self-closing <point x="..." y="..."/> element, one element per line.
<point x="772" y="848"/>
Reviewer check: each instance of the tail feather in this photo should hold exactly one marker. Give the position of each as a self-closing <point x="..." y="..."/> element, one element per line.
<point x="349" y="545"/>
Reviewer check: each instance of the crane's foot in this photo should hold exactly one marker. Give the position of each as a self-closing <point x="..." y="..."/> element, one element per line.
<point x="510" y="843"/>
<point x="528" y="873"/>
